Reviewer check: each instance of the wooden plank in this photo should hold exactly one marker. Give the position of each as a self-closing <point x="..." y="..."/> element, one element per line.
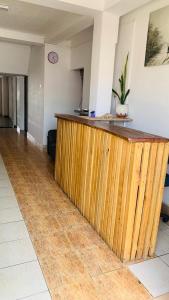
<point x="121" y="199"/>
<point x="140" y="200"/>
<point x="58" y="152"/>
<point x="106" y="227"/>
<point x="73" y="161"/>
<point x="159" y="200"/>
<point x="85" y="164"/>
<point x="77" y="164"/>
<point x="62" y="155"/>
<point x="116" y="184"/>
<point x="66" y="156"/>
<point x="102" y="181"/>
<point x="110" y="189"/>
<point x="126" y="179"/>
<point x="155" y="188"/>
<point x="131" y="200"/>
<point x="97" y="161"/>
<point x="90" y="169"/>
<point x="70" y="153"/>
<point x="147" y="200"/>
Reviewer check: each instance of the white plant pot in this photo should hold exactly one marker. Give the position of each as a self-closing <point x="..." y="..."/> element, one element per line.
<point x="122" y="110"/>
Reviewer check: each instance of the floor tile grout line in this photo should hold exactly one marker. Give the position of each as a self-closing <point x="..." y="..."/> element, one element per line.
<point x="21" y="239"/>
<point x="21" y="220"/>
<point x="23" y="263"/>
<point x="12" y="196"/>
<point x="162" y="254"/>
<point x="8" y="208"/>
<point x="165" y="263"/>
<point x="12" y="241"/>
<point x="32" y="295"/>
<point x="9" y="196"/>
<point x="41" y="269"/>
<point x="6" y="196"/>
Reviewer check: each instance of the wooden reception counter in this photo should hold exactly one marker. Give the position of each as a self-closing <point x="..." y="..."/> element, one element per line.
<point x="115" y="176"/>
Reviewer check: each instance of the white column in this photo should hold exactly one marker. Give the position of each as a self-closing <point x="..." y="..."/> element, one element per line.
<point x="102" y="68"/>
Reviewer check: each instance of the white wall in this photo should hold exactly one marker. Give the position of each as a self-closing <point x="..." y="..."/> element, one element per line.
<point x="149" y="98"/>
<point x="81" y="52"/>
<point x="36" y="94"/>
<point x="14" y="58"/>
<point x="61" y="91"/>
<point x="56" y="88"/>
<point x="52" y="88"/>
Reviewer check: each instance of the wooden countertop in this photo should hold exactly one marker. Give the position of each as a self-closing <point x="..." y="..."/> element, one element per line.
<point x="128" y="134"/>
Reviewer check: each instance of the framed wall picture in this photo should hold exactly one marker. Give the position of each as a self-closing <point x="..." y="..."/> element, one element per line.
<point x="157" y="49"/>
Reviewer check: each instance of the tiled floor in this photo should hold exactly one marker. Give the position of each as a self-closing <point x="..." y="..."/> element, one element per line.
<point x="20" y="273"/>
<point x="76" y="263"/>
<point x="154" y="273"/>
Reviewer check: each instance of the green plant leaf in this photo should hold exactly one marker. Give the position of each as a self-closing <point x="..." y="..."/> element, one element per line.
<point x="127" y="93"/>
<point x="115" y="93"/>
<point x="122" y="81"/>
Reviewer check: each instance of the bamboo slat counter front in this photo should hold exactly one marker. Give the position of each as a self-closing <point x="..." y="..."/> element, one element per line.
<point x="115" y="177"/>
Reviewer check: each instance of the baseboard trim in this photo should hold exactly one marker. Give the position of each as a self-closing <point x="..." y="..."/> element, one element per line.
<point x="18" y="129"/>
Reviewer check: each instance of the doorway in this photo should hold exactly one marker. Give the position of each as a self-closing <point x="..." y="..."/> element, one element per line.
<point x="14" y="102"/>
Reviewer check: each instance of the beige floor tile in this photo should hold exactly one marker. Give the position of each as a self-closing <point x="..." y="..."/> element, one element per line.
<point x="99" y="259"/>
<point x="82" y="237"/>
<point x="51" y="244"/>
<point x="69" y="219"/>
<point x="120" y="285"/>
<point x="69" y="250"/>
<point x="42" y="225"/>
<point x="79" y="290"/>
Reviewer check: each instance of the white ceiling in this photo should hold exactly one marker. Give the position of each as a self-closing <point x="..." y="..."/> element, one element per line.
<point x="53" y="21"/>
<point x="30" y="18"/>
<point x="122" y="7"/>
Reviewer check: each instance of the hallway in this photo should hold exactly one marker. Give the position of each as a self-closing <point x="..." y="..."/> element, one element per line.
<point x="18" y="262"/>
<point x="76" y="263"/>
<point x="5" y="122"/>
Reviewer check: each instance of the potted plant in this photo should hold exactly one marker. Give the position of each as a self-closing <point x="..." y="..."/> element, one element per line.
<point x="121" y="106"/>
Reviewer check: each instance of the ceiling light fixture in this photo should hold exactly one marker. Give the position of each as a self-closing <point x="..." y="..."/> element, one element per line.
<point x="4" y="7"/>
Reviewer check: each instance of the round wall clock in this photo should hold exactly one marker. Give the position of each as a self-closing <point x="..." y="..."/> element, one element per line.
<point x="53" y="57"/>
